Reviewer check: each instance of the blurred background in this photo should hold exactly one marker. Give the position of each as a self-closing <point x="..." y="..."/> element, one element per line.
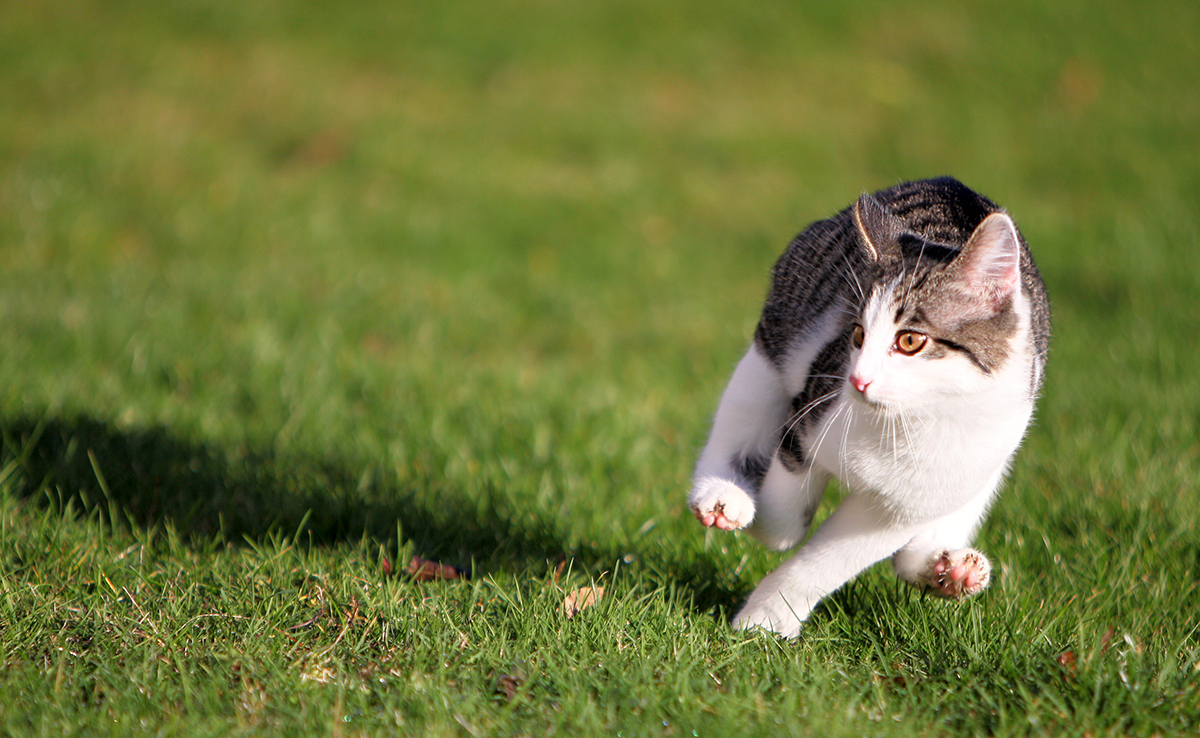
<point x="506" y="253"/>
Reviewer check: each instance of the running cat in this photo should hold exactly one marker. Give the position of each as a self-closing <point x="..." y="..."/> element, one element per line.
<point x="901" y="350"/>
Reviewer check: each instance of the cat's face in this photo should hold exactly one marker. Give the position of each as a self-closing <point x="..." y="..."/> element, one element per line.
<point x="903" y="358"/>
<point x="934" y="330"/>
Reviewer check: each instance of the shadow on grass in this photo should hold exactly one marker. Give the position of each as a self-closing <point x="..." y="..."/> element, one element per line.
<point x="149" y="478"/>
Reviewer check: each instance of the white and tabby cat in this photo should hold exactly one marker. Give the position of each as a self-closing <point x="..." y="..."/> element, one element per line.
<point x="901" y="349"/>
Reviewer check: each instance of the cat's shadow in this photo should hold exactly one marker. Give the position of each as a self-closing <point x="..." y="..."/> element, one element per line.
<point x="151" y="478"/>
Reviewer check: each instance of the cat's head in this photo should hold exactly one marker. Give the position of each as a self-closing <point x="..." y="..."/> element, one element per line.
<point x="940" y="321"/>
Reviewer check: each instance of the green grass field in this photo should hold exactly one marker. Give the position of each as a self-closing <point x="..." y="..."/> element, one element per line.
<point x="291" y="292"/>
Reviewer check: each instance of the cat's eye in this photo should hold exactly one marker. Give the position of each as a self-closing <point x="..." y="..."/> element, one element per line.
<point x="910" y="342"/>
<point x="857" y="336"/>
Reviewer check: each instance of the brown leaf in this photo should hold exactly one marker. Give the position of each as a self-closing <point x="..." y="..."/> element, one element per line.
<point x="899" y="681"/>
<point x="1066" y="660"/>
<point x="581" y="599"/>
<point x="507" y="686"/>
<point x="424" y="570"/>
<point x="323" y="149"/>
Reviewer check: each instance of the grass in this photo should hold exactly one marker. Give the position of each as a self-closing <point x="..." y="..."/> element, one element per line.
<point x="291" y="290"/>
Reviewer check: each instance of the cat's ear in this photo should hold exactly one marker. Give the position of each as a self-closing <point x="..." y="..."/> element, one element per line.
<point x="878" y="228"/>
<point x="989" y="265"/>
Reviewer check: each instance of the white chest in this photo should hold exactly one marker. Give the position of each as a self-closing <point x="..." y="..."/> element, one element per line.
<point x="921" y="464"/>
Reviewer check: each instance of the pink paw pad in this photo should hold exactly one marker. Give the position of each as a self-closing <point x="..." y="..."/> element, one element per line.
<point x="721" y="504"/>
<point x="715" y="518"/>
<point x="960" y="574"/>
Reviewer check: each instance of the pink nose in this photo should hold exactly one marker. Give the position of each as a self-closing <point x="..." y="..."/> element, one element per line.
<point x="859" y="383"/>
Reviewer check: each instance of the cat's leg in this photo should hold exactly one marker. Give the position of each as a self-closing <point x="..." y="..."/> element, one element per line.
<point x="939" y="559"/>
<point x="739" y="449"/>
<point x="786" y="502"/>
<point x="855" y="536"/>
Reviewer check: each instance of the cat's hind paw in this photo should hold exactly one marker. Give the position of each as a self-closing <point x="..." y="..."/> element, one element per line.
<point x="956" y="574"/>
<point x="719" y="503"/>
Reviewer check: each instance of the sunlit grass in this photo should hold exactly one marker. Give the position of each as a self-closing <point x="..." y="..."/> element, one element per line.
<point x="290" y="291"/>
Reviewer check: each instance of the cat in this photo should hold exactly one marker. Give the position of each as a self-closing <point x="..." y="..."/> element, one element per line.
<point x="901" y="349"/>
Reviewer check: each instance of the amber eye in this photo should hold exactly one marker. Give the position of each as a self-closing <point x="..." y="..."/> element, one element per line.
<point x="910" y="342"/>
<point x="857" y="336"/>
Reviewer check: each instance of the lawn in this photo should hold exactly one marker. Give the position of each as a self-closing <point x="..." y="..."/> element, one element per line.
<point x="292" y="293"/>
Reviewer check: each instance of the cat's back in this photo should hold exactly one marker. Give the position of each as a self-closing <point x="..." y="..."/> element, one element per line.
<point x="820" y="271"/>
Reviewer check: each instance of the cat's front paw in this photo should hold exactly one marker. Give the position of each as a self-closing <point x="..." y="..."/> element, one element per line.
<point x="962" y="573"/>
<point x="773" y="613"/>
<point x="719" y="503"/>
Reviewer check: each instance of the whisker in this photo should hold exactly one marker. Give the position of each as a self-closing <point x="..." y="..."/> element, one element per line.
<point x="842" y="450"/>
<point x="907" y="436"/>
<point x="833" y="419"/>
<point x="853" y="309"/>
<point x="896" y="439"/>
<point x="889" y="425"/>
<point x="799" y="414"/>
<point x="858" y="289"/>
<point x="912" y="277"/>
<point x="855" y="284"/>
<point x="810" y="408"/>
<point x="920" y="416"/>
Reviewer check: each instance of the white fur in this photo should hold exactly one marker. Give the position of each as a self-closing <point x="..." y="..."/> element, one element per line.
<point x="752" y="412"/>
<point x="923" y="451"/>
<point x="754" y="406"/>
